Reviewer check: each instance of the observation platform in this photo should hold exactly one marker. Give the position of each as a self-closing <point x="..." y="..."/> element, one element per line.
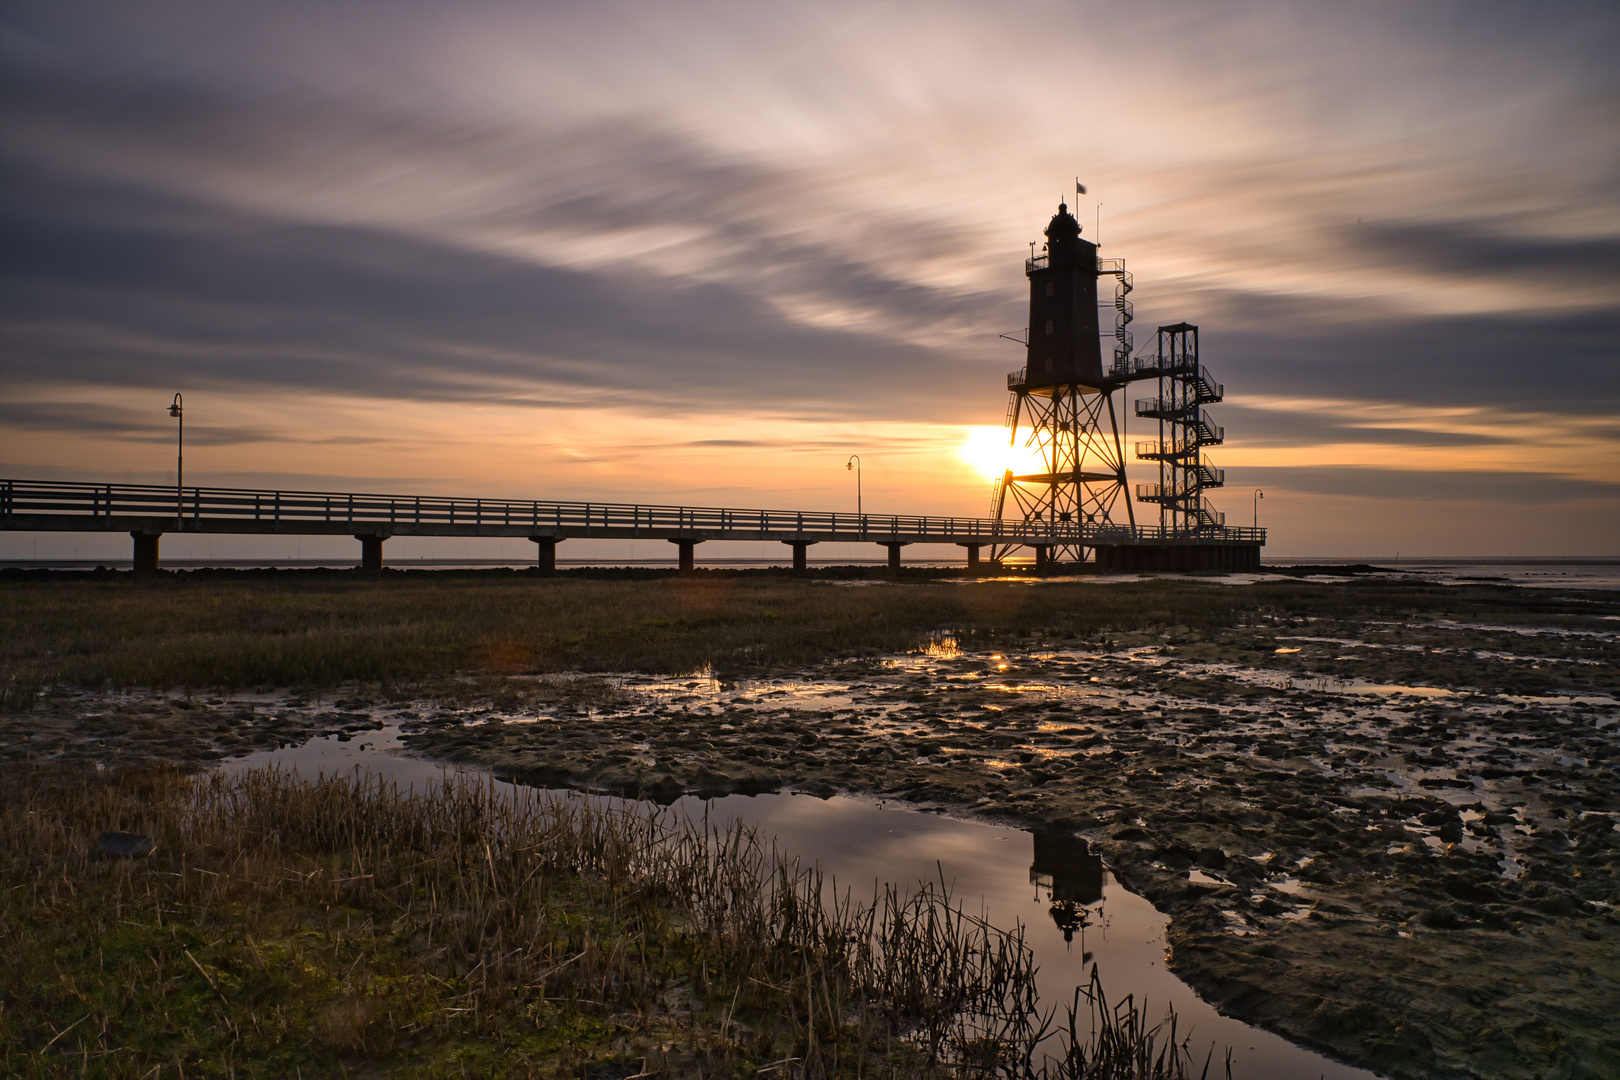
<point x="1124" y="371"/>
<point x="147" y="512"/>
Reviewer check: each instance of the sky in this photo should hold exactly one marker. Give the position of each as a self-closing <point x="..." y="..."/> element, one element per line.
<point x="702" y="253"/>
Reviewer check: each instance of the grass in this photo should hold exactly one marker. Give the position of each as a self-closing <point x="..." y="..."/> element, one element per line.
<point x="241" y="631"/>
<point x="292" y="928"/>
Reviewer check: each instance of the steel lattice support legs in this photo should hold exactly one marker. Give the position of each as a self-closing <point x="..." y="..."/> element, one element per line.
<point x="1073" y="435"/>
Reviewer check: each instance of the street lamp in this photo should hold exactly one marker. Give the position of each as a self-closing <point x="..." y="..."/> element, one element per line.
<point x="854" y="462"/>
<point x="1258" y="495"/>
<point x="177" y="411"/>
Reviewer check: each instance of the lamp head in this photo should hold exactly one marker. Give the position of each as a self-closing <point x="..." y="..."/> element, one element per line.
<point x="175" y="408"/>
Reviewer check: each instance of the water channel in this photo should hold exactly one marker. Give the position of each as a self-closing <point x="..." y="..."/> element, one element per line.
<point x="1075" y="912"/>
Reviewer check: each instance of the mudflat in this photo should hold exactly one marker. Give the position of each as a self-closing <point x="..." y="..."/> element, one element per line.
<point x="1383" y="815"/>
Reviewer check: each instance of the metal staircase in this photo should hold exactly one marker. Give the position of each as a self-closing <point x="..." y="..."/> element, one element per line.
<point x="1185" y="386"/>
<point x="1209" y="476"/>
<point x="1124" y="312"/>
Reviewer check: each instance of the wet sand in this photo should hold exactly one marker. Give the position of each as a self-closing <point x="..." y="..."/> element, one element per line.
<point x="1393" y="839"/>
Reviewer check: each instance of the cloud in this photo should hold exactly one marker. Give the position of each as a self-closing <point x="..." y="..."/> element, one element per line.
<point x="1477" y="249"/>
<point x="1250" y="426"/>
<point x="127" y="425"/>
<point x="639" y="191"/>
<point x="1507" y="361"/>
<point x="1503" y="487"/>
<point x="713" y="215"/>
<point x="154" y="293"/>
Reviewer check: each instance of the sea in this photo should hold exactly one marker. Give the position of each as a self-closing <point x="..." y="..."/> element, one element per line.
<point x="1577" y="573"/>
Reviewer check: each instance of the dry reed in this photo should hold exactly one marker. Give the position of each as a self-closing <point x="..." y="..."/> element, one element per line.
<point x="286" y="927"/>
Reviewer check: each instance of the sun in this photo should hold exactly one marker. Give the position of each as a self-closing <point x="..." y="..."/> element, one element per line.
<point x="986" y="450"/>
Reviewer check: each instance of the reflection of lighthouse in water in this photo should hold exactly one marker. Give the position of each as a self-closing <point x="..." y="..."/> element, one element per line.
<point x="1072" y="876"/>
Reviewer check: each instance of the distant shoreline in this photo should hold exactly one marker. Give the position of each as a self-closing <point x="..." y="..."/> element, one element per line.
<point x="1392" y="562"/>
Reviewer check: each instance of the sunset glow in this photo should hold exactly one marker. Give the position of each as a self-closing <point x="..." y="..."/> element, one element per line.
<point x="678" y="253"/>
<point x="986" y="449"/>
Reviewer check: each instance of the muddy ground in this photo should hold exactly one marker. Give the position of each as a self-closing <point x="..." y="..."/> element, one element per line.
<point x="1396" y="839"/>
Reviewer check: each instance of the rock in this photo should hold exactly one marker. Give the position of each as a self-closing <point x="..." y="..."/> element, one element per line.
<point x="1270" y="906"/>
<point x="1176" y="857"/>
<point x="1336" y="1018"/>
<point x="1444" y="917"/>
<point x="1558" y="902"/>
<point x="1464" y="888"/>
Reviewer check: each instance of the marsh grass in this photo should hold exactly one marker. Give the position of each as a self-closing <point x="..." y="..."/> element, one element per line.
<point x="1121" y="1042"/>
<point x="285" y="927"/>
<point x="238" y="632"/>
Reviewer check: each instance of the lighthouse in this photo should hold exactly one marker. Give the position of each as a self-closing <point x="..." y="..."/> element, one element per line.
<point x="1063" y="342"/>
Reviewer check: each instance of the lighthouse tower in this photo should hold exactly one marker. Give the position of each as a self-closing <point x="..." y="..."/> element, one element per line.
<point x="1063" y="347"/>
<point x="1062" y="411"/>
<point x="1069" y="498"/>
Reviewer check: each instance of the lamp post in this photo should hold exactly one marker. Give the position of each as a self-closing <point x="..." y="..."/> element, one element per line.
<point x="177" y="411"/>
<point x="1258" y="495"/>
<point x="854" y="462"/>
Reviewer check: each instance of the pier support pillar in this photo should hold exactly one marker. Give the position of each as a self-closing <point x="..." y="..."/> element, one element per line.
<point x="972" y="555"/>
<point x="371" y="550"/>
<point x="146" y="551"/>
<point x="801" y="553"/>
<point x="688" y="550"/>
<point x="1112" y="558"/>
<point x="545" y="555"/>
<point x="894" y="553"/>
<point x="1043" y="558"/>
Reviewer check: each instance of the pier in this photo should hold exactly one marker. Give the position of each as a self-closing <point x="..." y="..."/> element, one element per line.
<point x="147" y="512"/>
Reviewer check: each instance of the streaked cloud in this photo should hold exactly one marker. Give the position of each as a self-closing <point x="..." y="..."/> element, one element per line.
<point x="1439" y="488"/>
<point x="619" y="236"/>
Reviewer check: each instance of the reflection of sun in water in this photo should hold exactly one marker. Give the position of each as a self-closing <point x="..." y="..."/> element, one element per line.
<point x="986" y="450"/>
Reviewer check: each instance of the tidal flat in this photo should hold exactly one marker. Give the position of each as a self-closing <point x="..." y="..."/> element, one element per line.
<point x="1380" y="813"/>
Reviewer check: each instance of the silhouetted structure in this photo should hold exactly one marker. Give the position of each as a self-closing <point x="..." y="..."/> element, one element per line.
<point x="1062" y="403"/>
<point x="148" y="512"/>
<point x="1062" y="410"/>
<point x="1072" y="875"/>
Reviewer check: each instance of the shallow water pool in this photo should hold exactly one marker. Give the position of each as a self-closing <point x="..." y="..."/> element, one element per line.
<point x="1074" y="910"/>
